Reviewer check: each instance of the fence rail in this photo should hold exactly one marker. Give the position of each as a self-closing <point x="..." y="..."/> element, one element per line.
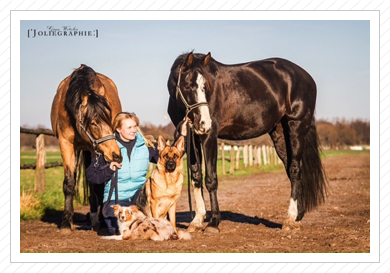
<point x="40" y="165"/>
<point x="251" y="155"/>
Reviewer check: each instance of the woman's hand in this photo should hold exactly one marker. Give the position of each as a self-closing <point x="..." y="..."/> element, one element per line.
<point x="184" y="126"/>
<point x="114" y="165"/>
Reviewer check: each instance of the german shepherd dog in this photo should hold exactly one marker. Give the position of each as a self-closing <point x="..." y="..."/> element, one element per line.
<point x="133" y="225"/>
<point x="162" y="190"/>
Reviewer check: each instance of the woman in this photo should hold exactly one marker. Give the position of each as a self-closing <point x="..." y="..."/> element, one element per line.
<point x="136" y="152"/>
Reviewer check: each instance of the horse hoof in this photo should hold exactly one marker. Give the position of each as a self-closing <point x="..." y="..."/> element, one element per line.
<point x="211" y="230"/>
<point x="193" y="228"/>
<point x="292" y="225"/>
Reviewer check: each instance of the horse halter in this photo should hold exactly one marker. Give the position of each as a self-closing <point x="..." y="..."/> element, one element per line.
<point x="189" y="108"/>
<point x="95" y="143"/>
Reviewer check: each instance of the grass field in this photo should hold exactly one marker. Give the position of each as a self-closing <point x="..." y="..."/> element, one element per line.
<point x="34" y="206"/>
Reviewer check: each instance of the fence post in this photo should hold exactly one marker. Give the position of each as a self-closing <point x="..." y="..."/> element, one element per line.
<point x="256" y="161"/>
<point x="232" y="160"/>
<point x="268" y="156"/>
<point x="245" y="154"/>
<point x="238" y="157"/>
<point x="264" y="155"/>
<point x="259" y="155"/>
<point x="275" y="158"/>
<point x="250" y="155"/>
<point x="223" y="157"/>
<point x="39" y="183"/>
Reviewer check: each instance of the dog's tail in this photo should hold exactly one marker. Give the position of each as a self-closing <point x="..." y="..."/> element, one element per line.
<point x="184" y="235"/>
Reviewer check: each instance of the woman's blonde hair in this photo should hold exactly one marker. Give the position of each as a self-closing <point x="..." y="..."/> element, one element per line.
<point x="126" y="115"/>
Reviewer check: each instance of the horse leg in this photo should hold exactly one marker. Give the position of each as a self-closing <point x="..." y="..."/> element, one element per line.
<point x="69" y="161"/>
<point x="291" y="159"/>
<point x="197" y="181"/>
<point x="277" y="136"/>
<point x="297" y="130"/>
<point x="96" y="193"/>
<point x="210" y="149"/>
<point x="95" y="205"/>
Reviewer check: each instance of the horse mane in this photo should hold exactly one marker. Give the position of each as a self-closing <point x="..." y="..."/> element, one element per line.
<point x="81" y="85"/>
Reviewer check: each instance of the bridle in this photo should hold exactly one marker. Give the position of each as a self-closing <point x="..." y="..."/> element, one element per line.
<point x="190" y="136"/>
<point x="189" y="107"/>
<point x="95" y="142"/>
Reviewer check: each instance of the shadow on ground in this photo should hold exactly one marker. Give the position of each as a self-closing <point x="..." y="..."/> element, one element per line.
<point x="82" y="221"/>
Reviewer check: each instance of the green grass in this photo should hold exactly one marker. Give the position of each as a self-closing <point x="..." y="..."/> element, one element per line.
<point x="343" y="152"/>
<point x="30" y="157"/>
<point x="34" y="206"/>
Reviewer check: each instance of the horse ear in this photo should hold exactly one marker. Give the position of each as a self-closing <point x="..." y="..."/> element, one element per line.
<point x="161" y="143"/>
<point x="101" y="90"/>
<point x="207" y="58"/>
<point x="84" y="100"/>
<point x="189" y="60"/>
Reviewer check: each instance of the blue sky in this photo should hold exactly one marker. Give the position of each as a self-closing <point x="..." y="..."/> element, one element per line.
<point x="138" y="55"/>
<point x="136" y="49"/>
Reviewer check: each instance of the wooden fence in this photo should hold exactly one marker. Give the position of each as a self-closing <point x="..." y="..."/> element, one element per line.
<point x="250" y="155"/>
<point x="40" y="165"/>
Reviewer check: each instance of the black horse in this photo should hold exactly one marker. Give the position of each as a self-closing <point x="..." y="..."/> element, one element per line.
<point x="243" y="101"/>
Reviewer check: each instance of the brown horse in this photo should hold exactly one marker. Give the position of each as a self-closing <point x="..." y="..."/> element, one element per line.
<point x="81" y="116"/>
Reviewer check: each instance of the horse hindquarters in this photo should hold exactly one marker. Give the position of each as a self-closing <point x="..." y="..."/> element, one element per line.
<point x="299" y="150"/>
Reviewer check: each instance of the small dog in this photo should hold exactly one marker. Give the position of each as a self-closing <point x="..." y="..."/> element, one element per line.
<point x="161" y="192"/>
<point x="133" y="225"/>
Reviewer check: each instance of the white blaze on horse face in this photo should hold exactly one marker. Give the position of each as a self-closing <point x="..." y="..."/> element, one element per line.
<point x="205" y="119"/>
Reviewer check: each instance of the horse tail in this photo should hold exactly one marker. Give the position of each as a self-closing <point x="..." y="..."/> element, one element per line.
<point x="83" y="159"/>
<point x="313" y="179"/>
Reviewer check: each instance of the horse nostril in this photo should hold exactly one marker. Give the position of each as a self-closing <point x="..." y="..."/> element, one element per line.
<point x="202" y="123"/>
<point x="116" y="157"/>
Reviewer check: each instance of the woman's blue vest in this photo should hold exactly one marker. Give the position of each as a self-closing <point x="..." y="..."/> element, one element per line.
<point x="132" y="175"/>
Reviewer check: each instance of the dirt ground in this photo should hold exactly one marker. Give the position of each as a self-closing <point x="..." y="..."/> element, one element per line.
<point x="253" y="209"/>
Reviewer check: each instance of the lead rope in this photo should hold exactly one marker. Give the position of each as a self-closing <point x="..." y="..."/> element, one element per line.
<point x="190" y="138"/>
<point x="114" y="185"/>
<point x="189" y="167"/>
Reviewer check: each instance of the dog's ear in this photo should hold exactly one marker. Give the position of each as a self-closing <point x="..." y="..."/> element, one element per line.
<point x="161" y="143"/>
<point x="115" y="207"/>
<point x="180" y="144"/>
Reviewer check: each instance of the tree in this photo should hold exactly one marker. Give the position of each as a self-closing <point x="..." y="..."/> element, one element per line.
<point x="328" y="134"/>
<point x="346" y="135"/>
<point x="362" y="130"/>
